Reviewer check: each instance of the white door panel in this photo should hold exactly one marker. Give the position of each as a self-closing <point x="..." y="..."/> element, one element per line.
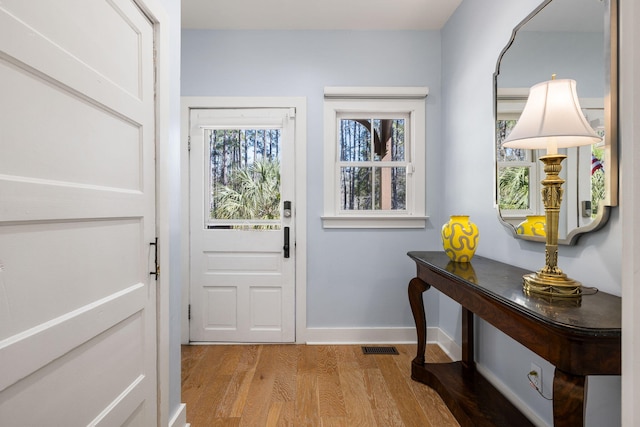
<point x="79" y="46"/>
<point x="242" y="285"/>
<point x="77" y="214"/>
<point x="40" y="259"/>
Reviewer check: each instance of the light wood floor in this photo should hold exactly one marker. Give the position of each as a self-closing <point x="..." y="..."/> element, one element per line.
<point x="300" y="385"/>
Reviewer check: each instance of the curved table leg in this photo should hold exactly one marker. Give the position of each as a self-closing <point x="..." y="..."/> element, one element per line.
<point x="416" y="288"/>
<point x="472" y="399"/>
<point x="569" y="393"/>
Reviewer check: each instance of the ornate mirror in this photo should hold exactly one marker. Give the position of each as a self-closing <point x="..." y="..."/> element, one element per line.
<point x="573" y="39"/>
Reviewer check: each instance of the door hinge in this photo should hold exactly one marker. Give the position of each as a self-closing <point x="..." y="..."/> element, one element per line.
<point x="156" y="272"/>
<point x="189" y="312"/>
<point x="189" y="143"/>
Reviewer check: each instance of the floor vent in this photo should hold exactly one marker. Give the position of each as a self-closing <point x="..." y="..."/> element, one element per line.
<point x="379" y="350"/>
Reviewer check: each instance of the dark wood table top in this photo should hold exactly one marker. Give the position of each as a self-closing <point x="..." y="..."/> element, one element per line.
<point x="593" y="315"/>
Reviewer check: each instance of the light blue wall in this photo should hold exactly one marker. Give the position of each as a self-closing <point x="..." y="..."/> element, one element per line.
<point x="471" y="43"/>
<point x="534" y="56"/>
<point x="355" y="278"/>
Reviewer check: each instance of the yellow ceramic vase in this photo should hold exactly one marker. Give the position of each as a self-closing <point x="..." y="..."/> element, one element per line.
<point x="532" y="226"/>
<point x="460" y="238"/>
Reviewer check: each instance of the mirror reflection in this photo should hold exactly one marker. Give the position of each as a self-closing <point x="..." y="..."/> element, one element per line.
<point x="571" y="39"/>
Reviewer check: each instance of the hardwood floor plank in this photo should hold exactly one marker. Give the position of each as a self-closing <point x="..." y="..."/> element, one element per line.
<point x="430" y="402"/>
<point x="335" y="422"/>
<point x="327" y="360"/>
<point x="287" y="414"/>
<point x="191" y="356"/>
<point x="256" y="409"/>
<point x="300" y="385"/>
<point x="203" y="381"/>
<point x="384" y="407"/>
<point x="356" y="397"/>
<point x="331" y="399"/>
<point x="224" y="422"/>
<point x="436" y="354"/>
<point x="308" y="359"/>
<point x="330" y="396"/>
<point x="365" y="361"/>
<point x="249" y="358"/>
<point x="284" y="387"/>
<point x="236" y="395"/>
<point x="306" y="404"/>
<point x="408" y="407"/>
<point x="274" y="413"/>
<point x="206" y="405"/>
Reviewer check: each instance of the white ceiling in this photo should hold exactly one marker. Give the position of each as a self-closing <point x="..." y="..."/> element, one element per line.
<point x="317" y="14"/>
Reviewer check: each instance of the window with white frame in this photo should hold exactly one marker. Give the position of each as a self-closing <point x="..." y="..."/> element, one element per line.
<point x="518" y="171"/>
<point x="374" y="157"/>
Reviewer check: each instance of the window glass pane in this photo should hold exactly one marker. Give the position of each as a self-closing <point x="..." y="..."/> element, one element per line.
<point x="513" y="187"/>
<point x="389" y="139"/>
<point x="244" y="174"/>
<point x="397" y="140"/>
<point x="355" y="188"/>
<point x="391" y="188"/>
<point x="503" y="129"/>
<point x="388" y="191"/>
<point x="354" y="140"/>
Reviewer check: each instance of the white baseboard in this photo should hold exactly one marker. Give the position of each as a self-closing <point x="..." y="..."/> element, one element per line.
<point x="448" y="345"/>
<point x="179" y="419"/>
<point x="400" y="335"/>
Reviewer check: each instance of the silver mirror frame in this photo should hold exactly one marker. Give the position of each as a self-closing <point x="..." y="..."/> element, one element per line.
<point x="610" y="123"/>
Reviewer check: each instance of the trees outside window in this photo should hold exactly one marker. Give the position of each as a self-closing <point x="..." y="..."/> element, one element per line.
<point x="245" y="174"/>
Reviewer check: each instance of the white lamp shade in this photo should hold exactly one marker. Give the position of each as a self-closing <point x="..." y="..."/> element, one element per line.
<point x="552" y="119"/>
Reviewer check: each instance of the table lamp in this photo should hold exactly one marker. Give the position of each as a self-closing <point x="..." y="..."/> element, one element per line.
<point x="552" y="119"/>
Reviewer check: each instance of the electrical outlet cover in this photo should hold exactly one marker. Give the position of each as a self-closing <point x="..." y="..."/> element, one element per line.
<point x="537" y="378"/>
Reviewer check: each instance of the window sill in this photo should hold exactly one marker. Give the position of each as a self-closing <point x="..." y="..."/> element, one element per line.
<point x="366" y="221"/>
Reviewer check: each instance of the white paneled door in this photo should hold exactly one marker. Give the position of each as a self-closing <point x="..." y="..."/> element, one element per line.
<point x="77" y="214"/>
<point x="242" y="225"/>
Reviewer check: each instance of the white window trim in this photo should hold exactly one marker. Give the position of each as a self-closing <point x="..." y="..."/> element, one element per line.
<point x="406" y="100"/>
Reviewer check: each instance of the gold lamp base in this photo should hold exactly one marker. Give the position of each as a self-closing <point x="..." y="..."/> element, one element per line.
<point x="556" y="285"/>
<point x="550" y="280"/>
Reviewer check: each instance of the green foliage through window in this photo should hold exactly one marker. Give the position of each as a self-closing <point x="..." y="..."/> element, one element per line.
<point x="244" y="174"/>
<point x="597" y="179"/>
<point x="513" y="187"/>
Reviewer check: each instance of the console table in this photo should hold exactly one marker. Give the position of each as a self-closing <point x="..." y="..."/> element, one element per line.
<point x="579" y="337"/>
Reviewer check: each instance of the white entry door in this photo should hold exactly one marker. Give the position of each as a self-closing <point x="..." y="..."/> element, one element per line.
<point x="242" y="225"/>
<point x="77" y="203"/>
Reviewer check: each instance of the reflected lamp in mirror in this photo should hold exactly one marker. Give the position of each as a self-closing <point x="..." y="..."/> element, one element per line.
<point x="552" y="119"/>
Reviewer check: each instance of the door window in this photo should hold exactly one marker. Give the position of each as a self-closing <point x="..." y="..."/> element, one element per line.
<point x="244" y="178"/>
